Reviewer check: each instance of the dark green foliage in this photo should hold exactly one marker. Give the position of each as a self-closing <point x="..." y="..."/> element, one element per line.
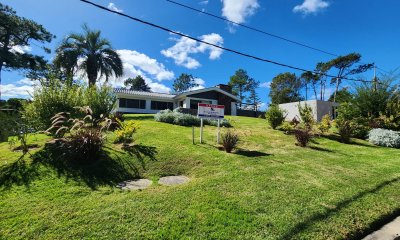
<point x="344" y="66"/>
<point x="16" y="33"/>
<point x="371" y="101"/>
<point x="342" y="96"/>
<point x="13" y="103"/>
<point x="344" y="130"/>
<point x="137" y="84"/>
<point x="275" y="116"/>
<point x="253" y="97"/>
<point x="184" y="82"/>
<point x="285" y="88"/>
<point x="100" y="59"/>
<point x="240" y="84"/>
<point x="229" y="140"/>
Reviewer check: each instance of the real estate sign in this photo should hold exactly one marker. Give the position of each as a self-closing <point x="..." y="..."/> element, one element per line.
<point x="210" y="111"/>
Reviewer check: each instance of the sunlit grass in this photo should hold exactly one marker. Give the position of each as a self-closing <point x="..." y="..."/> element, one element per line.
<point x="269" y="189"/>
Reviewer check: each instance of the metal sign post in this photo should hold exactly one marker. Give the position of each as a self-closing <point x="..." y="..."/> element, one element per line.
<point x="210" y="111"/>
<point x="201" y="130"/>
<point x="219" y="132"/>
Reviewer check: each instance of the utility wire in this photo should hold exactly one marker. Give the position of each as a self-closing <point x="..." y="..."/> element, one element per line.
<point x="257" y="30"/>
<point x="217" y="46"/>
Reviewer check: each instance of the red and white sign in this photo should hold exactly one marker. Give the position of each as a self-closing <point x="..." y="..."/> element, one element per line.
<point x="211" y="111"/>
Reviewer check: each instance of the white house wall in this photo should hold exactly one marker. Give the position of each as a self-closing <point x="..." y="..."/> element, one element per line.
<point x="319" y="108"/>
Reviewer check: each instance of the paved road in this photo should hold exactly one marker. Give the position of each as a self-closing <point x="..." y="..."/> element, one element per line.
<point x="390" y="231"/>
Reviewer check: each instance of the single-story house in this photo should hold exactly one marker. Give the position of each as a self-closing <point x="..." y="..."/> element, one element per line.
<point x="129" y="101"/>
<point x="320" y="108"/>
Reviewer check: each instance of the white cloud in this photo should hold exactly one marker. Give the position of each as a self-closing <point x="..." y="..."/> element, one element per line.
<point x="149" y="65"/>
<point x="113" y="7"/>
<point x="311" y="6"/>
<point x="21" y="49"/>
<point x="184" y="47"/>
<point x="203" y="2"/>
<point x="20" y="89"/>
<point x="238" y="10"/>
<point x="265" y="85"/>
<point x="136" y="63"/>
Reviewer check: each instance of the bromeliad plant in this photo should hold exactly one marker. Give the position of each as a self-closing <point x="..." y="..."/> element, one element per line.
<point x="81" y="138"/>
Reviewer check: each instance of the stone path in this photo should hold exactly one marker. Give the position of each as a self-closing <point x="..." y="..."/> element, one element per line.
<point x="390" y="231"/>
<point x="173" y="180"/>
<point x="137" y="184"/>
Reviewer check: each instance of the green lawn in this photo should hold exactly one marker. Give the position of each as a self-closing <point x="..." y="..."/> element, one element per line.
<point x="270" y="189"/>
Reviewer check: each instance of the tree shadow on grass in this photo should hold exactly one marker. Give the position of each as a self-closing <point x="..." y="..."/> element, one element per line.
<point x="302" y="226"/>
<point x="337" y="138"/>
<point x="111" y="167"/>
<point x="321" y="149"/>
<point x="139" y="117"/>
<point x="17" y="173"/>
<point x="249" y="153"/>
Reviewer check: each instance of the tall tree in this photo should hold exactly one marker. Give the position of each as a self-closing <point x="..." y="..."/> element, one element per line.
<point x="309" y="78"/>
<point x="344" y="66"/>
<point x="342" y="96"/>
<point x="285" y="88"/>
<point x="91" y="53"/>
<point x="137" y="84"/>
<point x="16" y="34"/>
<point x="253" y="97"/>
<point x="239" y="84"/>
<point x="184" y="83"/>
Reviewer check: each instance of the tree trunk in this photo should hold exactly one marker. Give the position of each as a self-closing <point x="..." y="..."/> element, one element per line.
<point x="91" y="71"/>
<point x="1" y="67"/>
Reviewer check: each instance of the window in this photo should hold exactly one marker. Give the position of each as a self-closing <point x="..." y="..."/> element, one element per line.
<point x="132" y="103"/>
<point x="157" y="105"/>
<point x="194" y="103"/>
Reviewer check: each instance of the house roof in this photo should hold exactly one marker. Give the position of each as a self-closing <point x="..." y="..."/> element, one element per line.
<point x="145" y="94"/>
<point x="184" y="94"/>
<point x="173" y="96"/>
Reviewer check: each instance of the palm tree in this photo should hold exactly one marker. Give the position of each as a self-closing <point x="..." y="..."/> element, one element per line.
<point x="88" y="52"/>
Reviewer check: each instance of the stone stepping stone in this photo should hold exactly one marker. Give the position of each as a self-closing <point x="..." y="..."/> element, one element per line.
<point x="173" y="180"/>
<point x="137" y="184"/>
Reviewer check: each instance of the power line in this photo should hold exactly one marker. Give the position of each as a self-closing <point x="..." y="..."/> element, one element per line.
<point x="215" y="45"/>
<point x="258" y="30"/>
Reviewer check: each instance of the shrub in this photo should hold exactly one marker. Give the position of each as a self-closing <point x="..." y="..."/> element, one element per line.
<point x="325" y="124"/>
<point x="229" y="141"/>
<point x="306" y="115"/>
<point x="186" y="119"/>
<point x="84" y="139"/>
<point x="222" y="122"/>
<point x="359" y="128"/>
<point x="384" y="137"/>
<point x="182" y="119"/>
<point x="275" y="116"/>
<point x="21" y="133"/>
<point x="303" y="136"/>
<point x="100" y="99"/>
<point x="287" y="127"/>
<point x="56" y="97"/>
<point x="125" y="131"/>
<point x="166" y="116"/>
<point x="344" y="130"/>
<point x="51" y="99"/>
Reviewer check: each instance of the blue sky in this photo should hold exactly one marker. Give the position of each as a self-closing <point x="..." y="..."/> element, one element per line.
<point x="339" y="26"/>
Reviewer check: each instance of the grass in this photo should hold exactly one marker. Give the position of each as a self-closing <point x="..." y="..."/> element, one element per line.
<point x="268" y="189"/>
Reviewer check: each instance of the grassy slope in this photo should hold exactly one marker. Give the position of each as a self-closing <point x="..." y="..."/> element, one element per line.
<point x="270" y="190"/>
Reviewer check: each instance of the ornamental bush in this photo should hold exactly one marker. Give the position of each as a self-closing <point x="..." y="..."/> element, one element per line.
<point x="125" y="131"/>
<point x="275" y="116"/>
<point x="182" y="119"/>
<point x="384" y="137"/>
<point x="229" y="141"/>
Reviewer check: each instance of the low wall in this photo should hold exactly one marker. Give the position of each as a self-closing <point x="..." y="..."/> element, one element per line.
<point x="248" y="113"/>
